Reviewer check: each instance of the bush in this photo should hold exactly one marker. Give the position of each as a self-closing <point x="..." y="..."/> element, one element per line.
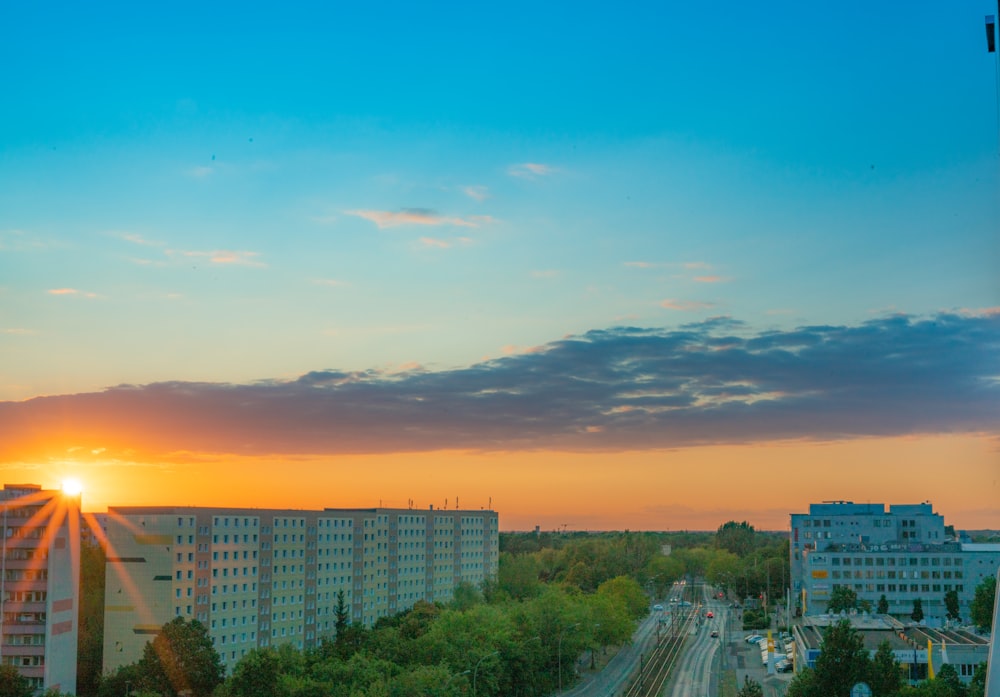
<point x="756" y="619"/>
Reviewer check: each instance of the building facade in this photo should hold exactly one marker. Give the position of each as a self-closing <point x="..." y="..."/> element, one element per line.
<point x="902" y="553"/>
<point x="260" y="578"/>
<point x="40" y="579"/>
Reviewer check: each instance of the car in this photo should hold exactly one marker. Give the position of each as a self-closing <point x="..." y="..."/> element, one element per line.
<point x="657" y="607"/>
<point x="709" y="614"/>
<point x="752" y="639"/>
<point x="715" y="633"/>
<point x="784" y="666"/>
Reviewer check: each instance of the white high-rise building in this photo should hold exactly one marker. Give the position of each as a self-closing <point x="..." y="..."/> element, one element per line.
<point x="257" y="577"/>
<point x="39" y="584"/>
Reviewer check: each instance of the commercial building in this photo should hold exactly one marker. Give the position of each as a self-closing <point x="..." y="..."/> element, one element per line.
<point x="914" y="647"/>
<point x="902" y="553"/>
<point x="260" y="578"/>
<point x="39" y="584"/>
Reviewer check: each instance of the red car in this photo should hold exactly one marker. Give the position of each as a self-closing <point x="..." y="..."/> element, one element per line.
<point x="709" y="614"/>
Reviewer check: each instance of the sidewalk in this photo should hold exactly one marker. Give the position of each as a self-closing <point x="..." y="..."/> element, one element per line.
<point x="613" y="678"/>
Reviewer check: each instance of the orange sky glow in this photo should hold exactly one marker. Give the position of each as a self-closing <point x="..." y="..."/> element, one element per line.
<point x="694" y="488"/>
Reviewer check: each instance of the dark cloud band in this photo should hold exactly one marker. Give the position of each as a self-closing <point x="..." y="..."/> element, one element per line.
<point x="620" y="388"/>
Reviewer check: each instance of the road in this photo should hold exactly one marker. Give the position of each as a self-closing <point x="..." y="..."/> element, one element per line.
<point x="614" y="678"/>
<point x="705" y="659"/>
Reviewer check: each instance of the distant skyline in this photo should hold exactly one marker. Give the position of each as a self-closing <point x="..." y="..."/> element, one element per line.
<point x="656" y="268"/>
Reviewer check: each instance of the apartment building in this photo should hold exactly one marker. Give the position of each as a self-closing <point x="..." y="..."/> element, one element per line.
<point x="39" y="584"/>
<point x="258" y="577"/>
<point x="902" y="552"/>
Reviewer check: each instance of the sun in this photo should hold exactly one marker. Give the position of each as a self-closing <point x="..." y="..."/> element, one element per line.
<point x="72" y="487"/>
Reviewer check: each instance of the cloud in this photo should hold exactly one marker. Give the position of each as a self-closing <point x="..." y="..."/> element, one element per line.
<point x="18" y="331"/>
<point x="136" y="238"/>
<point x="199" y="172"/>
<point x="630" y="388"/>
<point x="223" y="257"/>
<point x="711" y="279"/>
<point x="545" y="273"/>
<point x="689" y="265"/>
<point x="72" y="292"/>
<point x="530" y="170"/>
<point x="418" y="216"/>
<point x="332" y="282"/>
<point x="24" y="241"/>
<point x="685" y="305"/>
<point x="434" y="242"/>
<point x="477" y="193"/>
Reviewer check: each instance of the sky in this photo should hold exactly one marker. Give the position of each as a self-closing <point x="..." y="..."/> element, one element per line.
<point x="653" y="267"/>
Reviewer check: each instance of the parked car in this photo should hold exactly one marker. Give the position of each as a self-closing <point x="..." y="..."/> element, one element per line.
<point x="657" y="607"/>
<point x="752" y="639"/>
<point x="715" y="633"/>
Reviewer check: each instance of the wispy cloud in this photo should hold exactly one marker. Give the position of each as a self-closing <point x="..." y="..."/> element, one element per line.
<point x="18" y="331"/>
<point x="418" y="216"/>
<point x="331" y="282"/>
<point x="711" y="279"/>
<point x="136" y="238"/>
<point x="624" y="387"/>
<point x="199" y="172"/>
<point x="545" y="273"/>
<point x="71" y="292"/>
<point x="477" y="193"/>
<point x="530" y="170"/>
<point x="224" y="257"/>
<point x="434" y="242"/>
<point x="24" y="241"/>
<point x="685" y="305"/>
<point x="688" y="265"/>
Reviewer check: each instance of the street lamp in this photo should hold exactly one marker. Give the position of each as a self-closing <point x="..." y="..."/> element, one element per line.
<point x="475" y="673"/>
<point x="559" y="650"/>
<point x="452" y="679"/>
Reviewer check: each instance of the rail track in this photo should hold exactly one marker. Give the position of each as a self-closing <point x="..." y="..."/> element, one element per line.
<point x="655" y="671"/>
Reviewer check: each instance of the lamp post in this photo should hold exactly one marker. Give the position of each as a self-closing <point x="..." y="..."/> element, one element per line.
<point x="559" y="650"/>
<point x="452" y="679"/>
<point x="475" y="673"/>
<point x="524" y="658"/>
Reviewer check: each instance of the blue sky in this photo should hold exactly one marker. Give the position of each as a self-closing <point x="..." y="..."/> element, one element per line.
<point x="232" y="193"/>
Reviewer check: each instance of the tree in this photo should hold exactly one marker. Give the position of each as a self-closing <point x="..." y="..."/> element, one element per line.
<point x="977" y="686"/>
<point x="90" y="648"/>
<point x="751" y="688"/>
<point x="518" y="575"/>
<point x="884" y="676"/>
<point x="842" y="599"/>
<point x="804" y="685"/>
<point x="738" y="538"/>
<point x="13" y="684"/>
<point x="947" y="675"/>
<point x="629" y="592"/>
<point x="883" y="605"/>
<point x="341" y="614"/>
<point x="981" y="608"/>
<point x="257" y="675"/>
<point x="918" y="610"/>
<point x="842" y="662"/>
<point x="951" y="604"/>
<point x="181" y="658"/>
